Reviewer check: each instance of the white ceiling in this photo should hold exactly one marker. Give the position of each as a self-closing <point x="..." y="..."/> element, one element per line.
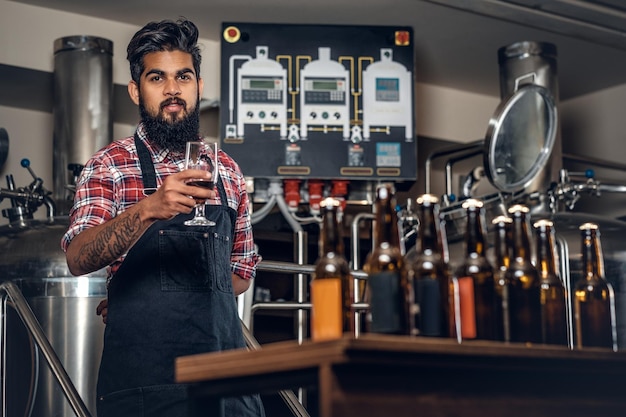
<point x="453" y="47"/>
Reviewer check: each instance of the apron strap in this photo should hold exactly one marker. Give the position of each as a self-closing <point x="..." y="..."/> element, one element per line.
<point x="147" y="167"/>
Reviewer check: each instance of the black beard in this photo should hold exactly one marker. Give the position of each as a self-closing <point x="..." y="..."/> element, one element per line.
<point x="171" y="135"/>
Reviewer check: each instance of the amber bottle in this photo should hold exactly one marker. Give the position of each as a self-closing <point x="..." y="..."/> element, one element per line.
<point x="503" y="248"/>
<point x="389" y="293"/>
<point x="524" y="283"/>
<point x="475" y="276"/>
<point x="594" y="308"/>
<point x="433" y="285"/>
<point x="554" y="316"/>
<point x="331" y="288"/>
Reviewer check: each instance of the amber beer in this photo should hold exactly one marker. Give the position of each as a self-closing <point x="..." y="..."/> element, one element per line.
<point x="389" y="293"/>
<point x="434" y="287"/>
<point x="553" y="295"/>
<point x="524" y="283"/>
<point x="594" y="308"/>
<point x="332" y="284"/>
<point x="477" y="290"/>
<point x="503" y="248"/>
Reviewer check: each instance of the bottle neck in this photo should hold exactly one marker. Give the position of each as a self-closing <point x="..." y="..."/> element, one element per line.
<point x="546" y="259"/>
<point x="474" y="234"/>
<point x="521" y="238"/>
<point x="503" y="244"/>
<point x="331" y="241"/>
<point x="429" y="238"/>
<point x="386" y="231"/>
<point x="593" y="262"/>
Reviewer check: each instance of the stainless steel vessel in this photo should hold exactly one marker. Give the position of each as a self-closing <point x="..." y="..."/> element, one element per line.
<point x="65" y="308"/>
<point x="31" y="254"/>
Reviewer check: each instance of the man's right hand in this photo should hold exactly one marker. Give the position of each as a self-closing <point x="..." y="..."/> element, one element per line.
<point x="102" y="310"/>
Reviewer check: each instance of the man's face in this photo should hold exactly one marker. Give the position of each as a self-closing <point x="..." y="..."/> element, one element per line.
<point x="168" y="95"/>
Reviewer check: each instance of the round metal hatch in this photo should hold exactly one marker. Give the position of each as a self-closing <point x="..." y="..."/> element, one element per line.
<point x="520" y="138"/>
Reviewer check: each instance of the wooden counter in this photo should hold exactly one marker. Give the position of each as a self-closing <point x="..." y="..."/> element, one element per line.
<point x="406" y="377"/>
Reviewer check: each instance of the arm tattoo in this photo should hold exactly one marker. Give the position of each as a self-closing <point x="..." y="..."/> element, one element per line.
<point x="111" y="242"/>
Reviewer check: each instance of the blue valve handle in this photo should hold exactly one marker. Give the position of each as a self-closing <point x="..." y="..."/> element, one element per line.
<point x="26" y="164"/>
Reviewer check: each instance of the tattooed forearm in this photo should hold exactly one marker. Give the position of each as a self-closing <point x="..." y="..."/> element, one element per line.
<point x="110" y="242"/>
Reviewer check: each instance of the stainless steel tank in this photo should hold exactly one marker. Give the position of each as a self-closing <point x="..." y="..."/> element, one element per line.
<point x="30" y="250"/>
<point x="65" y="308"/>
<point x="530" y="62"/>
<point x="83" y="95"/>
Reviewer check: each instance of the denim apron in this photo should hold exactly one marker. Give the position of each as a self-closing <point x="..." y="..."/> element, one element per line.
<point x="172" y="296"/>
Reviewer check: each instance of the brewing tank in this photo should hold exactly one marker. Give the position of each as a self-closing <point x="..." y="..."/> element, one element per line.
<point x="32" y="258"/>
<point x="83" y="94"/>
<point x="532" y="62"/>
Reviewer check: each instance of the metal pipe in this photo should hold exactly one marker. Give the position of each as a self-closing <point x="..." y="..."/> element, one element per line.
<point x="595" y="162"/>
<point x="289" y="268"/>
<point x="452" y="161"/>
<point x="290" y="399"/>
<point x="565" y="278"/>
<point x="3" y="359"/>
<point x="83" y="106"/>
<point x="358" y="287"/>
<point x="300" y="283"/>
<point x="35" y="330"/>
<point x="443" y="152"/>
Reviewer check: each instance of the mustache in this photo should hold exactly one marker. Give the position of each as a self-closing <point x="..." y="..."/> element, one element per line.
<point x="174" y="100"/>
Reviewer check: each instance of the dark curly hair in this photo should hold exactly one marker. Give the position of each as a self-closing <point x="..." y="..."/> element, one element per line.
<point x="165" y="35"/>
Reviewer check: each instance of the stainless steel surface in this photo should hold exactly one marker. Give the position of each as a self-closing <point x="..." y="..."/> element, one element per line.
<point x="290" y="268"/>
<point x="83" y="93"/>
<point x="520" y="139"/>
<point x="52" y="360"/>
<point x="63" y="304"/>
<point x="33" y="250"/>
<point x="531" y="62"/>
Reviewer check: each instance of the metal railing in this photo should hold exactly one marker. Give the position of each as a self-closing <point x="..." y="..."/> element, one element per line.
<point x="34" y="328"/>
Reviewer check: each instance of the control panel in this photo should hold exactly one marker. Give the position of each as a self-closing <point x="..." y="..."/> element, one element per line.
<point x="319" y="101"/>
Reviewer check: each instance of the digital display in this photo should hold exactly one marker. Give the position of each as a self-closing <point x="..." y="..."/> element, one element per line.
<point x="387" y="89"/>
<point x="262" y="84"/>
<point x="324" y="85"/>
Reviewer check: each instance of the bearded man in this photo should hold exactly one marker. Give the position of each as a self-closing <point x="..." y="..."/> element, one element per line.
<point x="171" y="287"/>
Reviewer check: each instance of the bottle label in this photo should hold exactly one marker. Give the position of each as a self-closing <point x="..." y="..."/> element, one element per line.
<point x="467" y="307"/>
<point x="428" y="299"/>
<point x="326" y="317"/>
<point x="386" y="308"/>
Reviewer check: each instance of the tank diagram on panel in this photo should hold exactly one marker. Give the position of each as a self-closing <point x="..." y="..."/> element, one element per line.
<point x="319" y="101"/>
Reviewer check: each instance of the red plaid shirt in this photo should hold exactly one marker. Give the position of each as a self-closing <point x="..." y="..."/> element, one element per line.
<point x="111" y="182"/>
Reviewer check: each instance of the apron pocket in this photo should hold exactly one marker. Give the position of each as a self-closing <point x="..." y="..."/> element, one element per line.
<point x="184" y="260"/>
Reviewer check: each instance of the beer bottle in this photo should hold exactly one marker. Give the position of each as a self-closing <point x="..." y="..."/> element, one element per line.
<point x="554" y="317"/>
<point x="477" y="290"/>
<point x="332" y="284"/>
<point x="389" y="293"/>
<point x="503" y="247"/>
<point x="594" y="308"/>
<point x="524" y="283"/>
<point x="429" y="272"/>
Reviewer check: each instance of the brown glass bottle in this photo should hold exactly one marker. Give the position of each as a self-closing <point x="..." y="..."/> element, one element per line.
<point x="477" y="290"/>
<point x="554" y="317"/>
<point x="429" y="271"/>
<point x="389" y="293"/>
<point x="503" y="248"/>
<point x="331" y="288"/>
<point x="594" y="309"/>
<point x="524" y="283"/>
